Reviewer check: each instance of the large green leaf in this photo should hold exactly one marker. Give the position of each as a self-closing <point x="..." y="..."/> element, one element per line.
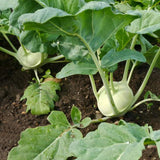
<point x="47" y="142"/>
<point x="111" y="142"/>
<point x="113" y="57"/>
<point x="23" y="6"/>
<point x="41" y="97"/>
<point x="149" y="22"/>
<point x="8" y="4"/>
<point x="93" y="24"/>
<point x="70" y="6"/>
<point x="101" y="22"/>
<point x="59" y="149"/>
<point x="77" y="68"/>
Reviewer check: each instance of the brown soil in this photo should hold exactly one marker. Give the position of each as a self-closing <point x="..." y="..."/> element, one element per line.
<point x="76" y="90"/>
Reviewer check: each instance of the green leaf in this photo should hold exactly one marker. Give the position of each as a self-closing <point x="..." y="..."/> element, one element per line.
<point x="107" y="1"/>
<point x="46" y="142"/>
<point x="111" y="142"/>
<point x="59" y="149"/>
<point x="145" y="44"/>
<point x="23" y="6"/>
<point x="102" y="23"/>
<point x="158" y="147"/>
<point x="149" y="94"/>
<point x="144" y="2"/>
<point x="4" y="21"/>
<point x="149" y="22"/>
<point x="40" y="97"/>
<point x="33" y="142"/>
<point x="58" y="118"/>
<point x="123" y="7"/>
<point x="8" y="4"/>
<point x="75" y="115"/>
<point x="85" y="122"/>
<point x="70" y="6"/>
<point x="113" y="57"/>
<point x="155" y="135"/>
<point x="38" y="42"/>
<point x="108" y="45"/>
<point x="123" y="38"/>
<point x="72" y="48"/>
<point x="77" y="68"/>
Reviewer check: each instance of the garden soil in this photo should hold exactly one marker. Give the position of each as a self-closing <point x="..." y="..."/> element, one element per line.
<point x="75" y="90"/>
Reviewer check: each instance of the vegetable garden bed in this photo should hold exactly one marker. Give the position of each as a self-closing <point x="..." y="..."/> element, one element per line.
<point x="14" y="119"/>
<point x="94" y="90"/>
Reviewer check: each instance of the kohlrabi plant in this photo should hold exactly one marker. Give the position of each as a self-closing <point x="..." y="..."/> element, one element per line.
<point x="95" y="36"/>
<point x="32" y="53"/>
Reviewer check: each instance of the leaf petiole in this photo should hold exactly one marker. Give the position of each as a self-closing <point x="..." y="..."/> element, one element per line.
<point x="36" y="74"/>
<point x="139" y="92"/>
<point x="126" y="70"/>
<point x="93" y="86"/>
<point x="10" y="43"/>
<point x="143" y="101"/>
<point x="8" y="52"/>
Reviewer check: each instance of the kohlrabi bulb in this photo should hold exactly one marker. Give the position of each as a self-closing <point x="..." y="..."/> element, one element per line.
<point x="123" y="97"/>
<point x="28" y="59"/>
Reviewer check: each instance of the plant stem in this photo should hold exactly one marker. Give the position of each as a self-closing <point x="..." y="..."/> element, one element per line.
<point x="93" y="86"/>
<point x="8" y="52"/>
<point x="100" y="120"/>
<point x="143" y="101"/>
<point x="53" y="59"/>
<point x="36" y="74"/>
<point x="102" y="75"/>
<point x="131" y="72"/>
<point x="125" y="75"/>
<point x="10" y="43"/>
<point x="139" y="92"/>
<point x="111" y="82"/>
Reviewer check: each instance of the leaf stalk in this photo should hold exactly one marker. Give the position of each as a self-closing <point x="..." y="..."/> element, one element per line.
<point x="93" y="86"/>
<point x="139" y="92"/>
<point x="126" y="70"/>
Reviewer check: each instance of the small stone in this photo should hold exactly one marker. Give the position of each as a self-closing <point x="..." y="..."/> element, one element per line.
<point x="86" y="97"/>
<point x="52" y="79"/>
<point x="23" y="112"/>
<point x="14" y="103"/>
<point x="24" y="105"/>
